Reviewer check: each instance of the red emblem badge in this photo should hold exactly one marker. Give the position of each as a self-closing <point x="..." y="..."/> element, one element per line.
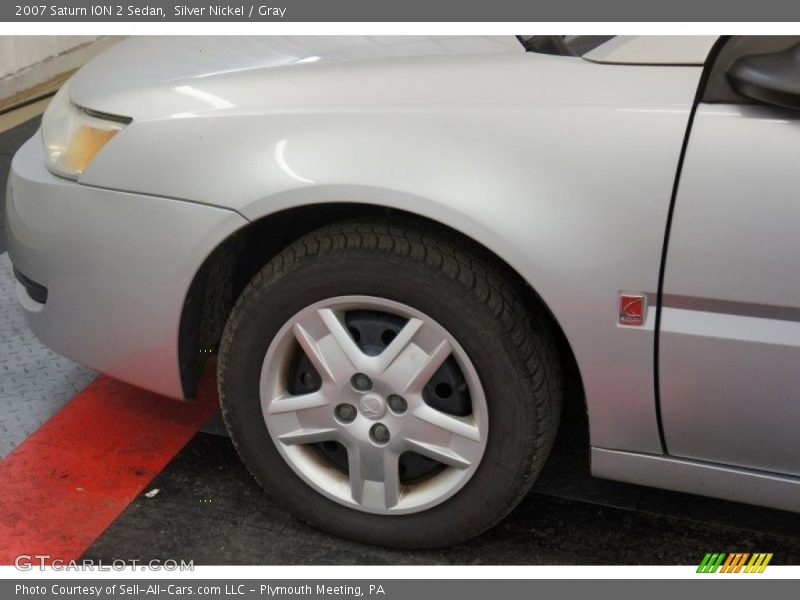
<point x="632" y="309"/>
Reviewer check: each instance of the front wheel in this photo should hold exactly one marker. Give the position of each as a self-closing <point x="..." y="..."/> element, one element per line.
<point x="386" y="383"/>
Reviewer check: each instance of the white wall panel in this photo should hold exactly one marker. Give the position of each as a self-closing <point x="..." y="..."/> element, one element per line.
<point x="19" y="52"/>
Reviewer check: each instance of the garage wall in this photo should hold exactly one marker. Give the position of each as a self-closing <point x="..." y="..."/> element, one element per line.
<point x="20" y="52"/>
<point x="30" y="61"/>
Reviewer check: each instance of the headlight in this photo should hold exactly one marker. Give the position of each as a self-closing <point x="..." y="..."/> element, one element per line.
<point x="73" y="136"/>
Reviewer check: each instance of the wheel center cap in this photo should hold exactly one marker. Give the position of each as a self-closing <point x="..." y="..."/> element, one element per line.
<point x="372" y="406"/>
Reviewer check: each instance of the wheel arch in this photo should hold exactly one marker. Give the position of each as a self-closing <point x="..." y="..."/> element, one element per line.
<point x="224" y="274"/>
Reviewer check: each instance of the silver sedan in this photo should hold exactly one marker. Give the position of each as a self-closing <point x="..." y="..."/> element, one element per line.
<point x="403" y="248"/>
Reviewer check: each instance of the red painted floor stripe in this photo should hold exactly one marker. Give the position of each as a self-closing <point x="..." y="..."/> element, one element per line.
<point x="67" y="482"/>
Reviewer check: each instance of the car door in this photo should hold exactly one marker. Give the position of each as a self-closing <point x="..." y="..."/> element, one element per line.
<point x="729" y="341"/>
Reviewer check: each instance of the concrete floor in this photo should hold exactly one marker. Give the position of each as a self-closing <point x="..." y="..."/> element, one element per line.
<point x="210" y="510"/>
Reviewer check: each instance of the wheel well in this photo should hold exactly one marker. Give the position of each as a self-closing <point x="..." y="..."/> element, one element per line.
<point x="228" y="269"/>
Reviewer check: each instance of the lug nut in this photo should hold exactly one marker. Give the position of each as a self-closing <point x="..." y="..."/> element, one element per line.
<point x="308" y="380"/>
<point x="346" y="412"/>
<point x="397" y="403"/>
<point x="379" y="433"/>
<point x="361" y="382"/>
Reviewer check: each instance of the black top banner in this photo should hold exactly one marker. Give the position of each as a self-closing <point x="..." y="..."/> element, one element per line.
<point x="405" y="11"/>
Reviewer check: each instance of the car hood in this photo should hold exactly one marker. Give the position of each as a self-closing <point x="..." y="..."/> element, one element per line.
<point x="146" y="77"/>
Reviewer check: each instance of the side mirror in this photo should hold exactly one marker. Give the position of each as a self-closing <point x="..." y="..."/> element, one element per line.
<point x="770" y="78"/>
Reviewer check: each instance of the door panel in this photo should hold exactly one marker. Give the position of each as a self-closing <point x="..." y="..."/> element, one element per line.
<point x="729" y="349"/>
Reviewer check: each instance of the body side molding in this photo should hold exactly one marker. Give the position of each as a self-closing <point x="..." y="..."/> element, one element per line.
<point x="696" y="477"/>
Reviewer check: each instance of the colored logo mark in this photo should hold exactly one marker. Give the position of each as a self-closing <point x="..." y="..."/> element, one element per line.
<point x="735" y="562"/>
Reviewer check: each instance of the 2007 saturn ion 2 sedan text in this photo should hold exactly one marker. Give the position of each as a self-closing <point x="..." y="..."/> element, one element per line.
<point x="403" y="247"/>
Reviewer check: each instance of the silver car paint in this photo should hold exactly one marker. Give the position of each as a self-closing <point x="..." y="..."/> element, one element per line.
<point x="730" y="343"/>
<point x="698" y="477"/>
<point x="156" y="68"/>
<point x="654" y="50"/>
<point x="530" y="155"/>
<point x="493" y="149"/>
<point x="117" y="267"/>
<point x="562" y="167"/>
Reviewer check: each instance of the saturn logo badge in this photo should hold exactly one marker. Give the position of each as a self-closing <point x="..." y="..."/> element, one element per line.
<point x="632" y="309"/>
<point x="372" y="406"/>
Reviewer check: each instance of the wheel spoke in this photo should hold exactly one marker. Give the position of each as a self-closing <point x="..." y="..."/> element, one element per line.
<point x="442" y="454"/>
<point x="302" y="435"/>
<point x="339" y="333"/>
<point x="436" y="423"/>
<point x="328" y="345"/>
<point x="398" y="344"/>
<point x="303" y="419"/>
<point x="314" y="353"/>
<point x="374" y="476"/>
<point x="429" y="366"/>
<point x="293" y="403"/>
<point x="453" y="441"/>
<point x="412" y="367"/>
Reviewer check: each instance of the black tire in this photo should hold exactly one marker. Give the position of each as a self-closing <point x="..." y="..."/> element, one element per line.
<point x="467" y="292"/>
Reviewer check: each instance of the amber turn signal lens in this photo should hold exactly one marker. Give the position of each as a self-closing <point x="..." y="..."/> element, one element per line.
<point x="86" y="143"/>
